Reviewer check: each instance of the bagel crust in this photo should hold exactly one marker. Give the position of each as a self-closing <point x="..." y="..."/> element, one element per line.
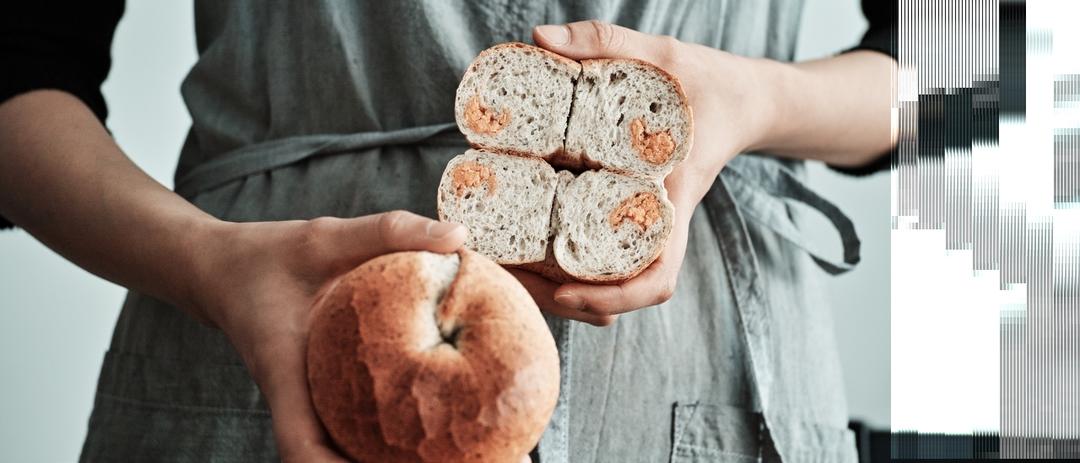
<point x="421" y="357"/>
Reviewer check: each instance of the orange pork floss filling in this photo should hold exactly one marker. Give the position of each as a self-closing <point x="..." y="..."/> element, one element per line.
<point x="482" y="119"/>
<point x="470" y="175"/>
<point x="643" y="209"/>
<point x="654" y="147"/>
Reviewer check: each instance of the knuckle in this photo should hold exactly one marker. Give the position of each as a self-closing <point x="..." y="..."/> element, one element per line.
<point x="669" y="44"/>
<point x="608" y="37"/>
<point x="604" y="320"/>
<point x="671" y="52"/>
<point x="389" y="223"/>
<point x="315" y="231"/>
<point x="320" y="226"/>
<point x="313" y="243"/>
<point x="667" y="291"/>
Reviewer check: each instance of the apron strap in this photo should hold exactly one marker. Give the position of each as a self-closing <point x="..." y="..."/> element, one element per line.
<point x="762" y="186"/>
<point x="743" y="274"/>
<point x="752" y="189"/>
<point x="554" y="445"/>
<point x="269" y="155"/>
<point x="758" y="184"/>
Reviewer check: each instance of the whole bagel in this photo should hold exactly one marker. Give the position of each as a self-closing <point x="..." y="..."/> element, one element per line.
<point x="422" y="357"/>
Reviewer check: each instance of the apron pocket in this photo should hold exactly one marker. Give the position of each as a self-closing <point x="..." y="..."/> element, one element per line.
<point x="150" y="408"/>
<point x="715" y="433"/>
<point x="814" y="442"/>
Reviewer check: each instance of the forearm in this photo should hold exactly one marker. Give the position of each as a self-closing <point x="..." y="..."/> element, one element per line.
<point x="65" y="181"/>
<point x="836" y="110"/>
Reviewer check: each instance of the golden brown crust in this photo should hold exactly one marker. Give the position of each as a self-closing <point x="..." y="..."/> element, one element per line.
<point x="546" y="157"/>
<point x="615" y="279"/>
<point x="559" y="59"/>
<point x="548" y="268"/>
<point x="477" y="384"/>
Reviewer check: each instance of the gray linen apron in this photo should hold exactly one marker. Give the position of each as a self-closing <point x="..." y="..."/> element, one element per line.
<point x="344" y="108"/>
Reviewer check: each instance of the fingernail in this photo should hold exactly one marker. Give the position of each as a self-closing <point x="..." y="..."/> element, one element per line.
<point x="570" y="301"/>
<point x="440" y="230"/>
<point x="554" y="34"/>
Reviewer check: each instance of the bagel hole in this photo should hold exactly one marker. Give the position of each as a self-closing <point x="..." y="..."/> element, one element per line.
<point x="451" y="338"/>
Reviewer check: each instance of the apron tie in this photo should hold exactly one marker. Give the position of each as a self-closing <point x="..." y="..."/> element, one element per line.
<point x="272" y="154"/>
<point x="753" y="187"/>
<point x="760" y="186"/>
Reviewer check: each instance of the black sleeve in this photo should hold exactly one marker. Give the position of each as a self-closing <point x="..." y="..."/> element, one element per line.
<point x="57" y="45"/>
<point x="880" y="36"/>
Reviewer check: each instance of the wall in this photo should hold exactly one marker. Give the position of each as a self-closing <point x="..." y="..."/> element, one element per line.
<point x="58" y="318"/>
<point x="860" y="298"/>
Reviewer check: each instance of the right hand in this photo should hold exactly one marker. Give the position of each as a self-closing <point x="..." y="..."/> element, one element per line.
<point x="543" y="292"/>
<point x="258" y="282"/>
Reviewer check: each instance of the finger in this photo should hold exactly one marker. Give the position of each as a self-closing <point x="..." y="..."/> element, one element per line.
<point x="299" y="436"/>
<point x="356" y="240"/>
<point x="686" y="186"/>
<point x="653" y="286"/>
<point x="543" y="292"/>
<point x="597" y="39"/>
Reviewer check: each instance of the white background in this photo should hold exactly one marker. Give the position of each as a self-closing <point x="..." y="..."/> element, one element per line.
<point x="57" y="319"/>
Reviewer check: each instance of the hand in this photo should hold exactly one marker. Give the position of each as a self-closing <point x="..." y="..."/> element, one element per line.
<point x="259" y="281"/>
<point x="721" y="88"/>
<point x="255" y="281"/>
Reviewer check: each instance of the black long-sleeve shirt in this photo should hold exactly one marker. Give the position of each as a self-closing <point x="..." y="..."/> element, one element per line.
<point x="47" y="46"/>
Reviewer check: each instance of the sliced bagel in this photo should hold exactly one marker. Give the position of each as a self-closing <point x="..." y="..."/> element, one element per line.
<point x="610" y="227"/>
<point x="505" y="202"/>
<point x="515" y="98"/>
<point x="549" y="267"/>
<point x="629" y="116"/>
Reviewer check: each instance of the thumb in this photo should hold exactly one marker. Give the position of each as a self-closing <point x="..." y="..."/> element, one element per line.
<point x="356" y="240"/>
<point x="598" y="39"/>
<point x="405" y="231"/>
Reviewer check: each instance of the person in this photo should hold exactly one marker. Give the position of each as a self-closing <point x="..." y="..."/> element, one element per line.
<point x="319" y="130"/>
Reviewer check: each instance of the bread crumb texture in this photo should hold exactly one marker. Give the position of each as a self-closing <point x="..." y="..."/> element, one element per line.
<point x="654" y="147"/>
<point x="470" y="175"/>
<point x="484" y="120"/>
<point x="642" y="209"/>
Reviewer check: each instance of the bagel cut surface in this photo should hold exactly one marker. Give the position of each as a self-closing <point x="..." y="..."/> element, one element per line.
<point x="423" y="357"/>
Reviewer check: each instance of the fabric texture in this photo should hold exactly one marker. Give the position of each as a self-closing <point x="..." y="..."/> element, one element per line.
<point x="335" y="108"/>
<point x="43" y="47"/>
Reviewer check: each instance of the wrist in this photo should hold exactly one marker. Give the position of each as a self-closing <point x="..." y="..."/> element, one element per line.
<point x="207" y="242"/>
<point x="774" y="81"/>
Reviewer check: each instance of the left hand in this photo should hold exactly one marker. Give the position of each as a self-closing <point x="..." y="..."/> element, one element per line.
<point x="731" y="113"/>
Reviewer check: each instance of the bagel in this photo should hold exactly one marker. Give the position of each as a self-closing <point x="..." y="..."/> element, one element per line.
<point x="618" y="127"/>
<point x="422" y="357"/>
